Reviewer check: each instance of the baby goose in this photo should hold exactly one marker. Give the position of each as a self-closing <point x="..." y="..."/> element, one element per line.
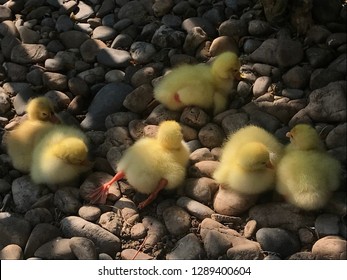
<point x="202" y="85"/>
<point x="247" y="161"/>
<point x="151" y="164"/>
<point x="307" y="174"/>
<point x="60" y="156"/>
<point x="21" y="141"/>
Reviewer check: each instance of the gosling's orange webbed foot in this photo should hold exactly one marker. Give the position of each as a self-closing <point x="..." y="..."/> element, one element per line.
<point x="99" y="195"/>
<point x="161" y="185"/>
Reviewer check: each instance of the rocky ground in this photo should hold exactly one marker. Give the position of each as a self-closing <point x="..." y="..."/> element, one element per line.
<point x="99" y="60"/>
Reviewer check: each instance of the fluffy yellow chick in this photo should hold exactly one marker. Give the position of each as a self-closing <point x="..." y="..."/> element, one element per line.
<point x="307" y="174"/>
<point x="21" y="141"/>
<point x="247" y="161"/>
<point x="60" y="156"/>
<point x="202" y="85"/>
<point x="151" y="164"/>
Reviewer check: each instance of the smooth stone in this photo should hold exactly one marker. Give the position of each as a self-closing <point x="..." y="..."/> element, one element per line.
<point x="200" y="155"/>
<point x="204" y="168"/>
<point x="111" y="221"/>
<point x="11" y="252"/>
<point x="38" y="215"/>
<point x="330" y="247"/>
<point x="56" y="249"/>
<point x="231" y="203"/>
<point x="29" y="53"/>
<point x="201" y="189"/>
<point x="90" y="213"/>
<point x="132" y="254"/>
<point x="113" y="58"/>
<point x="266" y="53"/>
<point x="323" y="77"/>
<point x="120" y="119"/>
<point x="41" y="234"/>
<point x="155" y="230"/>
<point x="277" y="214"/>
<point x="327" y="224"/>
<point x="165" y="37"/>
<point x="108" y="100"/>
<point x="187" y="248"/>
<point x="245" y="252"/>
<point x="138" y="231"/>
<point x="73" y="39"/>
<point x="67" y="200"/>
<point x="261" y="85"/>
<point x="284" y="52"/>
<point x="105" y="241"/>
<point x="195" y="208"/>
<point x="211" y="135"/>
<point x="337" y="137"/>
<point x="83" y="248"/>
<point x="161" y="113"/>
<point x="142" y="52"/>
<point x="104" y="33"/>
<point x="28" y="36"/>
<point x="90" y="48"/>
<point x="296" y="78"/>
<point x="194" y="117"/>
<point x="25" y="193"/>
<point x="177" y="220"/>
<point x="234" y="122"/>
<point x="278" y="240"/>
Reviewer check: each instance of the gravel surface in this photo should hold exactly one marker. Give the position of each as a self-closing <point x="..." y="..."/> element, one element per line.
<point x="98" y="61"/>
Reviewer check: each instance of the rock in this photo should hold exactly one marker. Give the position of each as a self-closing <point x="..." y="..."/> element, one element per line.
<point x="83" y="248"/>
<point x="155" y="230"/>
<point x="296" y="78"/>
<point x="234" y="122"/>
<point x="261" y="85"/>
<point x="90" y="213"/>
<point x="266" y="53"/>
<point x="29" y="53"/>
<point x="201" y="189"/>
<point x="135" y="11"/>
<point x="177" y="220"/>
<point x="278" y="240"/>
<point x="216" y="243"/>
<point x="57" y="249"/>
<point x="90" y="48"/>
<point x="66" y="200"/>
<point x="109" y="99"/>
<point x="138" y="100"/>
<point x="319" y="57"/>
<point x="284" y="53"/>
<point x="322" y="77"/>
<point x="211" y="135"/>
<point x="194" y="38"/>
<point x="11" y="252"/>
<point x="231" y="203"/>
<point x="189" y="23"/>
<point x="138" y="231"/>
<point x="204" y="168"/>
<point x="277" y="214"/>
<point x="245" y="252"/>
<point x="132" y="254"/>
<point x="195" y="208"/>
<point x="327" y="224"/>
<point x="104" y="33"/>
<point x="128" y="210"/>
<point x="160" y="113"/>
<point x="325" y="12"/>
<point x="104" y="241"/>
<point x="113" y="58"/>
<point x="330" y="247"/>
<point x="73" y="39"/>
<point x="337" y="136"/>
<point x="187" y="248"/>
<point x="250" y="229"/>
<point x="38" y="215"/>
<point x="41" y="234"/>
<point x="327" y="104"/>
<point x="166" y="36"/>
<point x="234" y="28"/>
<point x="111" y="221"/>
<point x="259" y="28"/>
<point x="201" y="154"/>
<point x="306" y="236"/>
<point x="142" y="52"/>
<point x="25" y="193"/>
<point x="194" y="116"/>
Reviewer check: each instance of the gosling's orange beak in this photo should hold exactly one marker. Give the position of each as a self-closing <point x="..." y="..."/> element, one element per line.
<point x="177" y="98"/>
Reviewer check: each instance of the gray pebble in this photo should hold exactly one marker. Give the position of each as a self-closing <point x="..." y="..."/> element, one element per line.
<point x="188" y="247"/>
<point x="56" y="249"/>
<point x="25" y="193"/>
<point x="83" y="248"/>
<point x="66" y="200"/>
<point x="177" y="220"/>
<point x="40" y="234"/>
<point x="90" y="213"/>
<point x="195" y="208"/>
<point x="278" y="240"/>
<point x="105" y="241"/>
<point x="327" y="224"/>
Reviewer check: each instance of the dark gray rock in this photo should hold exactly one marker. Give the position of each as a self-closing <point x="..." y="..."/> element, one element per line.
<point x="278" y="240"/>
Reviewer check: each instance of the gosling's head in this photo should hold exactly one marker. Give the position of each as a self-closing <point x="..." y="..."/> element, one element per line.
<point x="170" y="134"/>
<point x="72" y="150"/>
<point x="305" y="137"/>
<point x="254" y="157"/>
<point x="226" y="66"/>
<point x="41" y="108"/>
